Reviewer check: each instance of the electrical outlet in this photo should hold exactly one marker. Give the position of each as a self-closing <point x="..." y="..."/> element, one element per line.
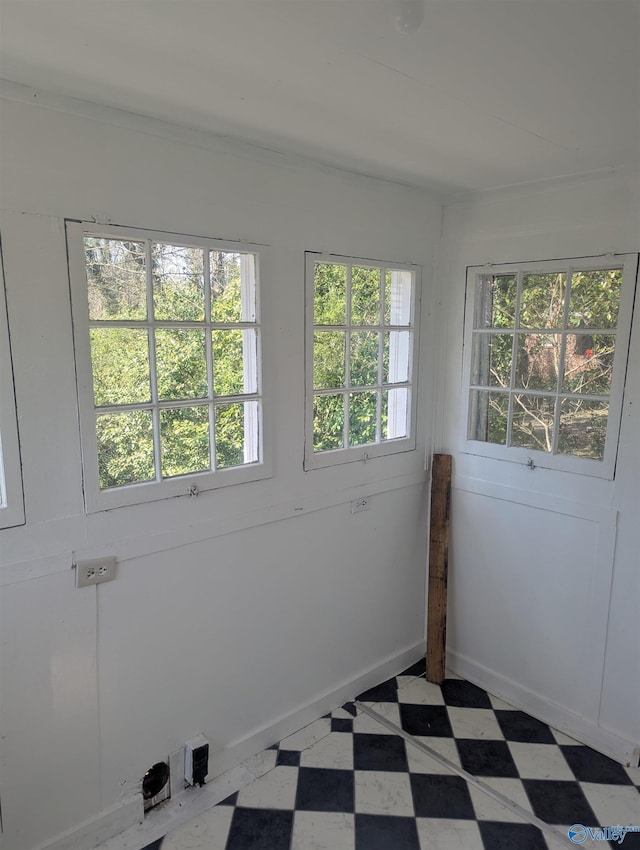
<point x="95" y="571"/>
<point x="362" y="504"/>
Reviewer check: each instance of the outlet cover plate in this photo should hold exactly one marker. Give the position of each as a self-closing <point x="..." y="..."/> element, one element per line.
<point x="361" y="504"/>
<point x="95" y="571"/>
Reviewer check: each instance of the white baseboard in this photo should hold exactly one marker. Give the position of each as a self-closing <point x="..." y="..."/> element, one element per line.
<point x="93" y="832"/>
<point x="586" y="731"/>
<point x="287" y="724"/>
<point x="128" y="819"/>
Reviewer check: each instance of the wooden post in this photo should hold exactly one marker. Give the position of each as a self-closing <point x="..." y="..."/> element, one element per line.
<point x="438" y="564"/>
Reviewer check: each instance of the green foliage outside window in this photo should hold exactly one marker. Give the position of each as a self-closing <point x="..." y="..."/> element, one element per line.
<point x="172" y="291"/>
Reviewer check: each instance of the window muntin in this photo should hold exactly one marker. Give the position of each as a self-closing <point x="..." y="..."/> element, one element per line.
<point x="169" y="347"/>
<point x="11" y="494"/>
<point x="361" y="353"/>
<point x="546" y="352"/>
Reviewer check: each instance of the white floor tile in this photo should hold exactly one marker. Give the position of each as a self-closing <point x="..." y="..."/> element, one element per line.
<point x="390" y="711"/>
<point x="261" y="763"/>
<point x="474" y="723"/>
<point x="336" y="750"/>
<point x="403" y="681"/>
<point x="323" y="831"/>
<point x="342" y="714"/>
<point x="488" y="808"/>
<point x="275" y="790"/>
<point x="364" y="723"/>
<point x="440" y="834"/>
<point x="207" y="832"/>
<point x="540" y="761"/>
<point x="421" y="692"/>
<point x="307" y="736"/>
<point x="613" y="804"/>
<point x="383" y="793"/>
<point x="420" y="762"/>
<point x="500" y="704"/>
<point x="561" y="738"/>
<point x="444" y="746"/>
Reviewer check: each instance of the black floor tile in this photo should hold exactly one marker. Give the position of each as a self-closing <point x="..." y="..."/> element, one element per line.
<point x="461" y="694"/>
<point x="486" y="758"/>
<point x="417" y="669"/>
<point x="558" y="802"/>
<point x="590" y="766"/>
<point x="325" y="790"/>
<point x="441" y="796"/>
<point x="425" y="720"/>
<point x="341" y="724"/>
<point x="290" y="758"/>
<point x="385" y="692"/>
<point x="383" y="832"/>
<point x="518" y="726"/>
<point x="260" y="829"/>
<point x="511" y="836"/>
<point x="379" y="752"/>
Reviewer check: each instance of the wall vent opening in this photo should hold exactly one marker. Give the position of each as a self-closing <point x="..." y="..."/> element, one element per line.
<point x="155" y="785"/>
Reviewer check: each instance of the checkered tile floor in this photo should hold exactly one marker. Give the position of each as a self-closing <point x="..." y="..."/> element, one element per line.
<point x="349" y="781"/>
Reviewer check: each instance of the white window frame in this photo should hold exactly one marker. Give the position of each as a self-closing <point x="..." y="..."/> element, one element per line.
<point x="191" y="483"/>
<point x="351" y="454"/>
<point x="11" y="491"/>
<point x="604" y="468"/>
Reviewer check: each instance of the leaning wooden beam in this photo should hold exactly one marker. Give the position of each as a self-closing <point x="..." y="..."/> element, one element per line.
<point x="438" y="566"/>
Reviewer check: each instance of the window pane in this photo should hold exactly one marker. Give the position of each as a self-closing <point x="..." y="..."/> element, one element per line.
<point x="583" y="427"/>
<point x="396" y="352"/>
<point x="184" y="437"/>
<point x="234" y="361"/>
<point x="328" y="422"/>
<point x="125" y="448"/>
<point x="178" y="282"/>
<point x="362" y="418"/>
<point x="395" y="413"/>
<point x="397" y="297"/>
<point x="365" y="296"/>
<point x="495" y="301"/>
<point x="542" y="300"/>
<point x="532" y="425"/>
<point x="181" y="365"/>
<point x="232" y="287"/>
<point x="588" y="363"/>
<point x="364" y="358"/>
<point x="595" y="298"/>
<point x="120" y="362"/>
<point x="328" y="359"/>
<point x="117" y="278"/>
<point x="329" y="294"/>
<point x="491" y="360"/>
<point x="488" y="415"/>
<point x="236" y="433"/>
<point x="538" y="359"/>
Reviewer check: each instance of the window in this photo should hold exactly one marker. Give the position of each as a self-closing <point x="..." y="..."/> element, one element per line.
<point x="11" y="498"/>
<point x="546" y="351"/>
<point x="168" y="358"/>
<point x="361" y="359"/>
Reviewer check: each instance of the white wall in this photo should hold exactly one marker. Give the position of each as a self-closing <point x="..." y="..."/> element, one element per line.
<point x="236" y="610"/>
<point x="544" y="572"/>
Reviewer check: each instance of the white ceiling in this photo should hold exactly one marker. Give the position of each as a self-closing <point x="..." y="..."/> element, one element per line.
<point x="483" y="93"/>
